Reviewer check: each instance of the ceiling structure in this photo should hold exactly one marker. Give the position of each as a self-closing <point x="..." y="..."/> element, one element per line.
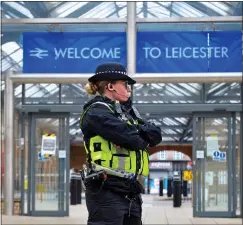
<point x="175" y="129"/>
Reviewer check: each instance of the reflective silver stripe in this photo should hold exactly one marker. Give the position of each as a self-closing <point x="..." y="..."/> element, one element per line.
<point x="121" y="160"/>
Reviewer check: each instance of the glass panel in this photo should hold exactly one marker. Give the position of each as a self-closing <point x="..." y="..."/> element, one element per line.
<point x="167" y="93"/>
<point x="41" y="93"/>
<point x="187" y="9"/>
<point x="223" y="93"/>
<point x="238" y="155"/>
<point x="46" y="172"/>
<point x="186" y="93"/>
<point x="64" y="9"/>
<point x="212" y="171"/>
<point x="74" y="94"/>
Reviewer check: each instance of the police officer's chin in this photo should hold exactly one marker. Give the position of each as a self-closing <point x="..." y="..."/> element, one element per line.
<point x="124" y="99"/>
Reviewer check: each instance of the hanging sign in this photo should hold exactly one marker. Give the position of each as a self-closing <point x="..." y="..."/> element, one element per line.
<point x="71" y="52"/>
<point x="189" y="52"/>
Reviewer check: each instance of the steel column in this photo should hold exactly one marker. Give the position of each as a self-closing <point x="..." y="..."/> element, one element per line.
<point x="9" y="151"/>
<point x="131" y="38"/>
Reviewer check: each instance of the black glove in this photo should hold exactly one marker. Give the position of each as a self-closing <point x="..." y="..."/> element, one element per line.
<point x="150" y="133"/>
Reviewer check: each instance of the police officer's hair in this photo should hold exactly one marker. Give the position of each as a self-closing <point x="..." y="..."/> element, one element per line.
<point x="93" y="88"/>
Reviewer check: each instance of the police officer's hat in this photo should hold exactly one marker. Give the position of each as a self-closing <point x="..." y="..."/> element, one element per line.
<point x="111" y="72"/>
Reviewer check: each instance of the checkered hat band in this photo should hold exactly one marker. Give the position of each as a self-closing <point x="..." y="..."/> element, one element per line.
<point x="112" y="72"/>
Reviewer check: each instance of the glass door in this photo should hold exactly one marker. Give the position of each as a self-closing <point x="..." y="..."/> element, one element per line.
<point x="49" y="165"/>
<point x="213" y="165"/>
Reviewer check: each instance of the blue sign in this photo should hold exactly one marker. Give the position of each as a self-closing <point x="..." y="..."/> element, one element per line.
<point x="189" y="52"/>
<point x="71" y="52"/>
<point x="219" y="156"/>
<point x="42" y="158"/>
<point x="157" y="52"/>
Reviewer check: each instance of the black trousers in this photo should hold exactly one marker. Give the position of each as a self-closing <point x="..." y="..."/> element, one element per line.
<point x="106" y="207"/>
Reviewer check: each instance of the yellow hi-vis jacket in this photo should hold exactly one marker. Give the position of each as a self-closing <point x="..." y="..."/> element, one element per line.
<point x="106" y="155"/>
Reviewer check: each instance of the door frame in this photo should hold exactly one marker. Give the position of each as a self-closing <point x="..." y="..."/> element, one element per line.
<point x="230" y="165"/>
<point x="32" y="116"/>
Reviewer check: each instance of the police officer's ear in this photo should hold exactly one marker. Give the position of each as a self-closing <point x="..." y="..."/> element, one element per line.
<point x="110" y="87"/>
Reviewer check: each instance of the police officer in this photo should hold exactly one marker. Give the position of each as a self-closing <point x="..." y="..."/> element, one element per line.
<point x="116" y="140"/>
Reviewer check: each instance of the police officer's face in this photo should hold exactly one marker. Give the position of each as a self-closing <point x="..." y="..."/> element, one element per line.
<point x="121" y="91"/>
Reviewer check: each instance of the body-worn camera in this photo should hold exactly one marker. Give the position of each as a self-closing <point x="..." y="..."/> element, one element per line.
<point x="100" y="175"/>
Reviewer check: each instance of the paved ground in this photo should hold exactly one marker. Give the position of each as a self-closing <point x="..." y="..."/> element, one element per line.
<point x="156" y="210"/>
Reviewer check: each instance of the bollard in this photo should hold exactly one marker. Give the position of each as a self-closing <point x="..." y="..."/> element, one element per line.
<point x="73" y="189"/>
<point x="169" y="189"/>
<point x="176" y="193"/>
<point x="161" y="188"/>
<point x="184" y="189"/>
<point x="176" y="190"/>
<point x="79" y="190"/>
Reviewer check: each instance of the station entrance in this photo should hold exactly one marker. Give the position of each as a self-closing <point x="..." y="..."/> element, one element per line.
<point x="215" y="185"/>
<point x="214" y="130"/>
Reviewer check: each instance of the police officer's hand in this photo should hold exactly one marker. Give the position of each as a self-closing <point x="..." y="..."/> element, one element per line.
<point x="150" y="133"/>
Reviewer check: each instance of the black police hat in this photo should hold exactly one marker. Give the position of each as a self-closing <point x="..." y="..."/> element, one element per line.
<point x="111" y="72"/>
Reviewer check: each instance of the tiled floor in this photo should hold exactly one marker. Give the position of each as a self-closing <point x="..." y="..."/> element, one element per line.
<point x="155" y="211"/>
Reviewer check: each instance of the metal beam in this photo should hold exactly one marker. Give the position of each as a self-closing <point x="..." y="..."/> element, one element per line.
<point x="225" y="19"/>
<point x="154" y="117"/>
<point x="164" y="143"/>
<point x="116" y="9"/>
<point x="63" y="21"/>
<point x="81" y="98"/>
<point x="213" y="19"/>
<point x="145" y="9"/>
<point x="163" y="125"/>
<point x="140" y="78"/>
<point x="79" y="136"/>
<point x="152" y="109"/>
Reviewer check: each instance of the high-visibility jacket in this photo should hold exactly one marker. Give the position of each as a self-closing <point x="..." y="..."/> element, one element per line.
<point x="106" y="154"/>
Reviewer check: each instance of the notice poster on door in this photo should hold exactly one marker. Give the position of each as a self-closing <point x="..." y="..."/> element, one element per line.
<point x="212" y="144"/>
<point x="48" y="146"/>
